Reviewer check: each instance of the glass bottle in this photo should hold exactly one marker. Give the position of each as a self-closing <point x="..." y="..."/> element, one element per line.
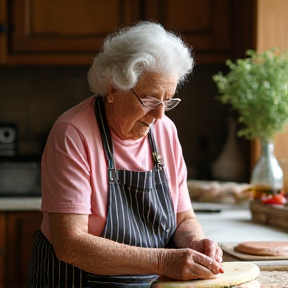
<point x="267" y="175"/>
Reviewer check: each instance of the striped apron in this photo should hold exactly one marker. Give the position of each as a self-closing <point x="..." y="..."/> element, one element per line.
<point x="139" y="213"/>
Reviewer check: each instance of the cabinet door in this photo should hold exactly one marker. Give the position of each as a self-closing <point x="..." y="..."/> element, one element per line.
<point x="64" y="31"/>
<point x="3" y="31"/>
<point x="2" y="248"/>
<point x="21" y="229"/>
<point x="71" y="32"/>
<point x="271" y="25"/>
<point x="214" y="29"/>
<point x="272" y="31"/>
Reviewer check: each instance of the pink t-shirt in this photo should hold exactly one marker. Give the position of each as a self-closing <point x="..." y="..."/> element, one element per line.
<point x="74" y="167"/>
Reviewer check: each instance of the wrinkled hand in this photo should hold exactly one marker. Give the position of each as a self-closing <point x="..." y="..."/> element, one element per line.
<point x="209" y="248"/>
<point x="186" y="264"/>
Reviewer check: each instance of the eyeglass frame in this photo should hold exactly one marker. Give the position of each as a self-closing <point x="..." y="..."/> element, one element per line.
<point x="175" y="100"/>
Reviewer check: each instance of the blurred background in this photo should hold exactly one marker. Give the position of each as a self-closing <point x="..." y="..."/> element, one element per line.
<point x="46" y="48"/>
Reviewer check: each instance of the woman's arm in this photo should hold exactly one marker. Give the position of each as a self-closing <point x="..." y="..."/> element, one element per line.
<point x="188" y="229"/>
<point x="189" y="234"/>
<point x="73" y="244"/>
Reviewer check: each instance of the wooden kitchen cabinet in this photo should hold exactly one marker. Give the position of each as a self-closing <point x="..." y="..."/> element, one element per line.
<point x="2" y="248"/>
<point x="70" y="32"/>
<point x="60" y="31"/>
<point x="17" y="231"/>
<point x="271" y="30"/>
<point x="216" y="30"/>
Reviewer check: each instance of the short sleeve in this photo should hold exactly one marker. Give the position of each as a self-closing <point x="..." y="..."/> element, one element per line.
<point x="65" y="171"/>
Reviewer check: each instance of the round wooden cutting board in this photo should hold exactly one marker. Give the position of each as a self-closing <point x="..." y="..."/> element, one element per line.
<point x="236" y="273"/>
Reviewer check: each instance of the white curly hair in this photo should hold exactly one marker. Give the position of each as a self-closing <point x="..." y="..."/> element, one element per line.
<point x="146" y="46"/>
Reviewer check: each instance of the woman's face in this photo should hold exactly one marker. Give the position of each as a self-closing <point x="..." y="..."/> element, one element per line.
<point x="125" y="114"/>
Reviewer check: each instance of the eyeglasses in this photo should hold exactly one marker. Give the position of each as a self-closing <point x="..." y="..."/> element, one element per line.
<point x="150" y="102"/>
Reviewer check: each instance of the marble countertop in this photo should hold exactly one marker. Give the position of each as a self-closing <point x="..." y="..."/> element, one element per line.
<point x="20" y="203"/>
<point x="233" y="224"/>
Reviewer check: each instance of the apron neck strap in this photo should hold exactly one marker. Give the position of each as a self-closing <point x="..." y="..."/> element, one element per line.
<point x="104" y="130"/>
<point x="155" y="154"/>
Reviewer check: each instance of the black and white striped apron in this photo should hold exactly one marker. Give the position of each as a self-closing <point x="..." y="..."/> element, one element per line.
<point x="139" y="213"/>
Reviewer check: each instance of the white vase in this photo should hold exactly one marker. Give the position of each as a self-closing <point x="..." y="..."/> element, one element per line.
<point x="230" y="165"/>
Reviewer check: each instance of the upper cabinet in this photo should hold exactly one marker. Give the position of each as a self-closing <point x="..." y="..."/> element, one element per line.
<point x="271" y="25"/>
<point x="216" y="30"/>
<point x="60" y="31"/>
<point x="70" y="32"/>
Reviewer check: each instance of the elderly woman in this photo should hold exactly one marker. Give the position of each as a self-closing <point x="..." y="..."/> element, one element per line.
<point x="114" y="178"/>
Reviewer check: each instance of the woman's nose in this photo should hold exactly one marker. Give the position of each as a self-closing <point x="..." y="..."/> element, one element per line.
<point x="158" y="112"/>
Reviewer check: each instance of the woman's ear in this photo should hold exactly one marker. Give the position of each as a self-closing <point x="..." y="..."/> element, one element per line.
<point x="110" y="93"/>
<point x="111" y="89"/>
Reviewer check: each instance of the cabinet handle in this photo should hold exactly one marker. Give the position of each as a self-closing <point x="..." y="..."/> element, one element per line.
<point x="3" y="28"/>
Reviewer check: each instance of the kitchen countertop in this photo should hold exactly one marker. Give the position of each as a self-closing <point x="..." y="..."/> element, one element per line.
<point x="234" y="224"/>
<point x="20" y="203"/>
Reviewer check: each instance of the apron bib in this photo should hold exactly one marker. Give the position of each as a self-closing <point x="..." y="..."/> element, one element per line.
<point x="139" y="213"/>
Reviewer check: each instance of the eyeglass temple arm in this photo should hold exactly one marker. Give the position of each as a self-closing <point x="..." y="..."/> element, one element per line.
<point x="141" y="102"/>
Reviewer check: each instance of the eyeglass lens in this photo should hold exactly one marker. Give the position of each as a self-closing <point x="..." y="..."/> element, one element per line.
<point x="150" y="102"/>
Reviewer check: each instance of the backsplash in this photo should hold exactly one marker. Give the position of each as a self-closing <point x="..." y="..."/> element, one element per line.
<point x="34" y="97"/>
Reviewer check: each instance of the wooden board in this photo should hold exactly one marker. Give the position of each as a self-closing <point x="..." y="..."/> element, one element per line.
<point x="236" y="273"/>
<point x="229" y="248"/>
<point x="264" y="248"/>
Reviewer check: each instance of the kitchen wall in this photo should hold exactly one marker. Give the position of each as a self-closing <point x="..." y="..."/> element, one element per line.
<point x="33" y="98"/>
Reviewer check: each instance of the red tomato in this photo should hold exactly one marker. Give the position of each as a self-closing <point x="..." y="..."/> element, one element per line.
<point x="274" y="199"/>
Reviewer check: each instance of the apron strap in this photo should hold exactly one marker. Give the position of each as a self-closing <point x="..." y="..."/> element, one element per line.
<point x="155" y="154"/>
<point x="106" y="137"/>
<point x="104" y="130"/>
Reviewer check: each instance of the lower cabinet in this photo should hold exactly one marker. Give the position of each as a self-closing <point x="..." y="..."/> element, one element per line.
<point x="17" y="232"/>
<point x="2" y="249"/>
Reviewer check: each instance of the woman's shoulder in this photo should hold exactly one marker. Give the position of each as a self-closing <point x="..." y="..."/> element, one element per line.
<point x="78" y="120"/>
<point x="85" y="107"/>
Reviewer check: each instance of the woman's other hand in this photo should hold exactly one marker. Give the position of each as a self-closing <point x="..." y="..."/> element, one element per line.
<point x="186" y="264"/>
<point x="209" y="248"/>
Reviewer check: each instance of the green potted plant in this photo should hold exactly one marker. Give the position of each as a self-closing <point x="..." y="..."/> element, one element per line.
<point x="257" y="89"/>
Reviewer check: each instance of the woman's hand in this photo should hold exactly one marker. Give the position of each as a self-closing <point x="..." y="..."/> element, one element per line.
<point x="189" y="228"/>
<point x="209" y="248"/>
<point x="186" y="264"/>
